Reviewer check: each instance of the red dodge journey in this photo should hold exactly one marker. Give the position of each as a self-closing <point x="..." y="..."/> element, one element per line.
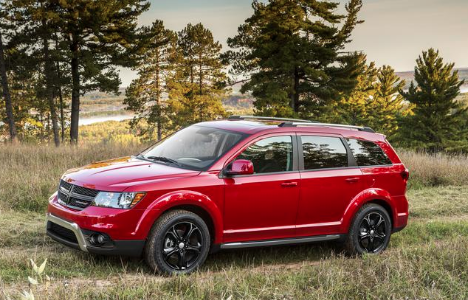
<point x="236" y="183"/>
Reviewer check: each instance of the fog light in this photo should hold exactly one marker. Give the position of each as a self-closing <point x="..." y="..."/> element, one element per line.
<point x="97" y="239"/>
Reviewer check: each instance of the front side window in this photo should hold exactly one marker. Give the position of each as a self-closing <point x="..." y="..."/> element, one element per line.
<point x="195" y="147"/>
<point x="322" y="152"/>
<point x="368" y="153"/>
<point x="274" y="154"/>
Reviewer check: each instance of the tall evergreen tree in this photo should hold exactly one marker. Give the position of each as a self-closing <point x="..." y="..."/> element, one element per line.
<point x="146" y="94"/>
<point x="198" y="83"/>
<point x="439" y="120"/>
<point x="291" y="50"/>
<point x="375" y="102"/>
<point x="387" y="105"/>
<point x="4" y="78"/>
<point x="353" y="108"/>
<point x="99" y="35"/>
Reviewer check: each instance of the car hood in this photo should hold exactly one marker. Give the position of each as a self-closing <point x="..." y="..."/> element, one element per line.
<point x="116" y="175"/>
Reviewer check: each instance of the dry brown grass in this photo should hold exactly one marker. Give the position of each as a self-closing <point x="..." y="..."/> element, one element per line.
<point x="29" y="174"/>
<point x="435" y="169"/>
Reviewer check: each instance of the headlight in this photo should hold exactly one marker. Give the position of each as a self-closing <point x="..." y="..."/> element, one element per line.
<point x="118" y="200"/>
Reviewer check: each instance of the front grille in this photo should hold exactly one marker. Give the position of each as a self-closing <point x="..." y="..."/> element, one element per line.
<point x="74" y="196"/>
<point x="62" y="232"/>
<point x="85" y="191"/>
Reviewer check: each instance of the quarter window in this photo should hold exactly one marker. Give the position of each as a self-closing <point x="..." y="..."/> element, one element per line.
<point x="368" y="153"/>
<point x="323" y="152"/>
<point x="274" y="154"/>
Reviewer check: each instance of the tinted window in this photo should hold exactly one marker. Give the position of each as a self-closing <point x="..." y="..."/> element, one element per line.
<point x="323" y="152"/>
<point x="270" y="155"/>
<point x="368" y="153"/>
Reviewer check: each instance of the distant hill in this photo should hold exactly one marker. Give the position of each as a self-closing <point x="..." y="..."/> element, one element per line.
<point x="408" y="76"/>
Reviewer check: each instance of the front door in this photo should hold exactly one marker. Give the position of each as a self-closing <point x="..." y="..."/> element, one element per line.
<point x="263" y="206"/>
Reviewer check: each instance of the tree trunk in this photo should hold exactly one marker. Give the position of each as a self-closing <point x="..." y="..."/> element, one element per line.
<point x="158" y="98"/>
<point x="6" y="94"/>
<point x="49" y="74"/>
<point x="295" y="95"/>
<point x="200" y="82"/>
<point x="59" y="88"/>
<point x="75" y="110"/>
<point x="62" y="114"/>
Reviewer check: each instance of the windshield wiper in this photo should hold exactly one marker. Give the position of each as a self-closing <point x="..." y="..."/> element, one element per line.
<point x="164" y="159"/>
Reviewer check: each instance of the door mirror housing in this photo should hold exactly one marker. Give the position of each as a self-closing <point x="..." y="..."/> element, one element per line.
<point x="240" y="167"/>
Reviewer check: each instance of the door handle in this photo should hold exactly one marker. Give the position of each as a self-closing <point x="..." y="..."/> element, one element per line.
<point x="352" y="180"/>
<point x="289" y="184"/>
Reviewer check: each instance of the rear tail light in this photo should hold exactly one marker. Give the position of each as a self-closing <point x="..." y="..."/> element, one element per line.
<point x="405" y="174"/>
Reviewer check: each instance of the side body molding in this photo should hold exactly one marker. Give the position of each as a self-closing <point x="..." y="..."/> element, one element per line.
<point x="178" y="198"/>
<point x="363" y="198"/>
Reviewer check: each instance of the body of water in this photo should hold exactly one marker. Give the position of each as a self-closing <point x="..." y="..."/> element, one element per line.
<point x="92" y="120"/>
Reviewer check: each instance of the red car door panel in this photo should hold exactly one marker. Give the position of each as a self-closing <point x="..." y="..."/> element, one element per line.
<point x="260" y="206"/>
<point x="325" y="195"/>
<point x="264" y="205"/>
<point x="329" y="181"/>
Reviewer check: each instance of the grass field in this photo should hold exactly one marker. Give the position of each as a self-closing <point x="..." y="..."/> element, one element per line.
<point x="427" y="260"/>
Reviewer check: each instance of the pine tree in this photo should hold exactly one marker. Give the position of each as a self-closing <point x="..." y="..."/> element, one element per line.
<point x="4" y="80"/>
<point x="100" y="35"/>
<point x="387" y="105"/>
<point x="145" y="95"/>
<point x="291" y="51"/>
<point x="375" y="102"/>
<point x="198" y="83"/>
<point x="439" y="121"/>
<point x="353" y="108"/>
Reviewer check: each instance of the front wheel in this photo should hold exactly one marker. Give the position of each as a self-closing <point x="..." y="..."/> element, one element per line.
<point x="178" y="243"/>
<point x="370" y="230"/>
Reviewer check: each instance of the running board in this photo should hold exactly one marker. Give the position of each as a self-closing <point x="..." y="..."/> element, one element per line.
<point x="310" y="239"/>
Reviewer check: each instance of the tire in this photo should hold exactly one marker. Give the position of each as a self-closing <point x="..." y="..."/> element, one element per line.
<point x="171" y="250"/>
<point x="370" y="231"/>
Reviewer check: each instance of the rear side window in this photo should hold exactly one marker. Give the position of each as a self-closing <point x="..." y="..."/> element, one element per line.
<point x="368" y="153"/>
<point x="274" y="154"/>
<point x="322" y="152"/>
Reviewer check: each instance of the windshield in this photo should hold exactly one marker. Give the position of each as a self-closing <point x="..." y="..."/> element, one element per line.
<point x="195" y="147"/>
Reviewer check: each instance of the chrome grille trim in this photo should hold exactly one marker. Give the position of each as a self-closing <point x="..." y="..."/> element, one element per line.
<point x="74" y="196"/>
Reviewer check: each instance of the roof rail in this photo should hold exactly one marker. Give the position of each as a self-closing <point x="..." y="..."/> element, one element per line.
<point x="295" y="124"/>
<point x="260" y="118"/>
<point x="288" y="122"/>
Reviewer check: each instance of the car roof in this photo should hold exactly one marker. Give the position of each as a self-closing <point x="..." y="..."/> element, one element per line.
<point x="253" y="127"/>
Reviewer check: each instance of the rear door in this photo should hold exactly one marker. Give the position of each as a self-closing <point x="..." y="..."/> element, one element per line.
<point x="330" y="179"/>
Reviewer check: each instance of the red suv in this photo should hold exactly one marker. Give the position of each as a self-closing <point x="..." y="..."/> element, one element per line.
<point x="236" y="183"/>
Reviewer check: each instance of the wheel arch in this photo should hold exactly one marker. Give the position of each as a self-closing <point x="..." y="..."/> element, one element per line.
<point x="377" y="196"/>
<point x="192" y="201"/>
<point x="199" y="211"/>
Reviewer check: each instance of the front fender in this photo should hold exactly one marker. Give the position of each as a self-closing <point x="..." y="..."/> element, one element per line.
<point x="178" y="198"/>
<point x="363" y="198"/>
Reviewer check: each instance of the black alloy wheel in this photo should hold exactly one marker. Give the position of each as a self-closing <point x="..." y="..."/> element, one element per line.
<point x="370" y="230"/>
<point x="182" y="245"/>
<point x="178" y="243"/>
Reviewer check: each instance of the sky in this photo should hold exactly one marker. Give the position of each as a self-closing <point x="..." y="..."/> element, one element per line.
<point x="394" y="33"/>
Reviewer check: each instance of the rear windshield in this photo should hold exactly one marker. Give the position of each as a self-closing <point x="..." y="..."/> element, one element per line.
<point x="368" y="153"/>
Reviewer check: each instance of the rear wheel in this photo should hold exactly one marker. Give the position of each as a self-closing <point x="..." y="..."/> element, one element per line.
<point x="370" y="231"/>
<point x="178" y="243"/>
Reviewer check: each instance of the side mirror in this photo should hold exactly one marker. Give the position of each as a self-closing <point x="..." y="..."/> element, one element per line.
<point x="240" y="167"/>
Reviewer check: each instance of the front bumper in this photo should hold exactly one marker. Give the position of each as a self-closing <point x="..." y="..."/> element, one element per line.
<point x="70" y="234"/>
